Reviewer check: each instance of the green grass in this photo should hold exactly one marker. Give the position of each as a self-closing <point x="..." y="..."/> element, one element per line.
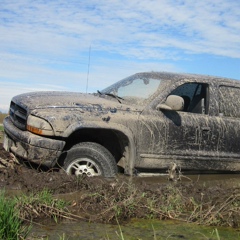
<point x="41" y="204"/>
<point x="15" y="211"/>
<point x="45" y="197"/>
<point x="10" y="224"/>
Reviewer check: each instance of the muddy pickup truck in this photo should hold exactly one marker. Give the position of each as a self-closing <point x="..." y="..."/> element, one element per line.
<point x="141" y="124"/>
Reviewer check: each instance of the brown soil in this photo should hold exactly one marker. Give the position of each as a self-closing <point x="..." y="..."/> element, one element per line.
<point x="123" y="198"/>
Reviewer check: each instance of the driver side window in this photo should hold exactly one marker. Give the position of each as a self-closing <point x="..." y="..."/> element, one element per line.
<point x="195" y="97"/>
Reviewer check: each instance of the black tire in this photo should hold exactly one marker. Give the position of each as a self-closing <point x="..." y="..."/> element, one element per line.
<point x="90" y="159"/>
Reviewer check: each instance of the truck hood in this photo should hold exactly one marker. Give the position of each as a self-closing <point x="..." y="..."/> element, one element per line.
<point x="45" y="100"/>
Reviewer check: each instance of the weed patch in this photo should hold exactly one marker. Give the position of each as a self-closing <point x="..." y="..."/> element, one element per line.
<point x="41" y="204"/>
<point x="188" y="203"/>
<point x="10" y="223"/>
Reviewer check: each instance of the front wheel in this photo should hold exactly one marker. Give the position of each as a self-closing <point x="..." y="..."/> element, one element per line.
<point x="90" y="159"/>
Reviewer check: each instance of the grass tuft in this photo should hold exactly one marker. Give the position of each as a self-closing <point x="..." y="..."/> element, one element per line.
<point x="41" y="204"/>
<point x="10" y="224"/>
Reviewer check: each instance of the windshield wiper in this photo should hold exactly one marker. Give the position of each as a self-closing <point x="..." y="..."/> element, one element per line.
<point x="111" y="95"/>
<point x="115" y="96"/>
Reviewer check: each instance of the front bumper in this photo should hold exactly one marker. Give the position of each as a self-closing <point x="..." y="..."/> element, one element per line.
<point x="34" y="148"/>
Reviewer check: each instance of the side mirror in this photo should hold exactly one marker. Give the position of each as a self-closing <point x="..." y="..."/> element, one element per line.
<point x="173" y="102"/>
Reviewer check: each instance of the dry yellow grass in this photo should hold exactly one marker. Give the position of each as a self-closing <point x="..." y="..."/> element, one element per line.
<point x="2" y="116"/>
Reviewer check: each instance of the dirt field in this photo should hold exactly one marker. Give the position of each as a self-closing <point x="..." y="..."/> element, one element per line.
<point x="101" y="200"/>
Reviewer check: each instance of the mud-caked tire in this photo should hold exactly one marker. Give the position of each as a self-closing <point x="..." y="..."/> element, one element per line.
<point x="90" y="159"/>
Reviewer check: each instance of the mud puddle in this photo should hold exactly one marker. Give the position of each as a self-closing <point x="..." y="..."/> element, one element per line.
<point x="230" y="180"/>
<point x="134" y="230"/>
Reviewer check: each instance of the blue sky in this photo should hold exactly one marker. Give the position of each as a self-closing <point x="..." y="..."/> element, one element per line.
<point x="45" y="44"/>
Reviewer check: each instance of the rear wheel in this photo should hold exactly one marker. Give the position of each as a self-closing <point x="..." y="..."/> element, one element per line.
<point x="90" y="159"/>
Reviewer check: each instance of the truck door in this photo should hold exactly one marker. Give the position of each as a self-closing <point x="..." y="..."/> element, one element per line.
<point x="188" y="137"/>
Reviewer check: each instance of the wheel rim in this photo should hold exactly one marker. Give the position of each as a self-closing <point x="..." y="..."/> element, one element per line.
<point x="84" y="166"/>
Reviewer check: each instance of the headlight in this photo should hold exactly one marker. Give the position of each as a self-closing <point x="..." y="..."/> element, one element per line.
<point x="39" y="126"/>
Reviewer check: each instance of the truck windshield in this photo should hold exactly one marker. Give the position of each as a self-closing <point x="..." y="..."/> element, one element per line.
<point x="135" y="88"/>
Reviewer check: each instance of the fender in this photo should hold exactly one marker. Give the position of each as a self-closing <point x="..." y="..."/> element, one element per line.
<point x="131" y="151"/>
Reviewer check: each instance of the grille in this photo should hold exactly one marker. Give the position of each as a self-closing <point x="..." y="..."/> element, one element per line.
<point x="18" y="115"/>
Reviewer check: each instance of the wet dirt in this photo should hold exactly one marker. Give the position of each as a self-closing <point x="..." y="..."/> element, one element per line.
<point x="119" y="200"/>
<point x="17" y="176"/>
<point x="136" y="229"/>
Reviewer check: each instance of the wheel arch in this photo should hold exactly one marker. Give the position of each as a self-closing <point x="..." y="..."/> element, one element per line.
<point x="117" y="138"/>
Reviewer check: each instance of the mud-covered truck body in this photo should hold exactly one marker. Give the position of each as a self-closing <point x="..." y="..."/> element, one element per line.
<point x="143" y="123"/>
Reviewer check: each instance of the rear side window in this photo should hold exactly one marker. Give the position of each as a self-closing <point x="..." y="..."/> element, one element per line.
<point x="229" y="104"/>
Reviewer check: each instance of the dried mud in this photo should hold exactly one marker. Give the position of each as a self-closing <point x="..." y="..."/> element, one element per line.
<point x="123" y="198"/>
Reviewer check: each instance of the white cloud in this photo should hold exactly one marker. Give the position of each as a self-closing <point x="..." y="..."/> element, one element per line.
<point x="62" y="27"/>
<point x="99" y="77"/>
<point x="47" y="42"/>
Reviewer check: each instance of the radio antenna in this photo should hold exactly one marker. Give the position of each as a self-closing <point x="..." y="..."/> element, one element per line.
<point x="89" y="55"/>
